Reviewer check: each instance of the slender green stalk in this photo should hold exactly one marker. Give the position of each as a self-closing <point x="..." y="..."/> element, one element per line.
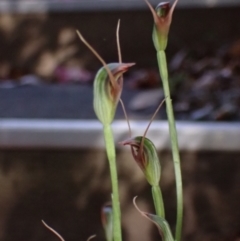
<point x="158" y="201"/>
<point x="111" y="154"/>
<point x="162" y="64"/>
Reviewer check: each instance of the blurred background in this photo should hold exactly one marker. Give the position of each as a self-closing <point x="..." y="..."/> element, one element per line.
<point x="40" y="48"/>
<point x="46" y="74"/>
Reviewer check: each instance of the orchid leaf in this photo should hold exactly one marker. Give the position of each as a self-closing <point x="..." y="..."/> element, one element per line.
<point x="161" y="223"/>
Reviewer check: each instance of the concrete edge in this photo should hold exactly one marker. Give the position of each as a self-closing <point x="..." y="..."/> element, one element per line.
<point x="55" y="134"/>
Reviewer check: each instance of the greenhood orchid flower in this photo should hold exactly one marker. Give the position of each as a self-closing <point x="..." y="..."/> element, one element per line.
<point x="107" y="87"/>
<point x="145" y="155"/>
<point x="162" y="16"/>
<point x="107" y="90"/>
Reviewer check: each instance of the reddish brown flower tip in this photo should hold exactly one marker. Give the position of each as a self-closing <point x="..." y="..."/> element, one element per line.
<point x="163" y="9"/>
<point x="162" y="16"/>
<point x="122" y="68"/>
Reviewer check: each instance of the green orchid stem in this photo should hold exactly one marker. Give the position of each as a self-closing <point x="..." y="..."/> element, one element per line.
<point x="158" y="201"/>
<point x="111" y="154"/>
<point x="162" y="64"/>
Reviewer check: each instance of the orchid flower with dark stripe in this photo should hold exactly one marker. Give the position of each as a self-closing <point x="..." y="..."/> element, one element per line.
<point x="107" y="90"/>
<point x="145" y="155"/>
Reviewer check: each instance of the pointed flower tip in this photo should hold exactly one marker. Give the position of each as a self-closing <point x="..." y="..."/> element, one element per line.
<point x="162" y="19"/>
<point x="119" y="68"/>
<point x="127" y="142"/>
<point x="123" y="67"/>
<point x="163" y="9"/>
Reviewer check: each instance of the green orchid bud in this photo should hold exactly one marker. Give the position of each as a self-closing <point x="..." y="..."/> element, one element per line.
<point x="145" y="154"/>
<point x="107" y="221"/>
<point x="162" y="16"/>
<point x="107" y="90"/>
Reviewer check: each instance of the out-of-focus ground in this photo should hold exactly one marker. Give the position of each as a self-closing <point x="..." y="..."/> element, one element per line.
<point x="203" y="54"/>
<point x="67" y="189"/>
<point x="38" y="43"/>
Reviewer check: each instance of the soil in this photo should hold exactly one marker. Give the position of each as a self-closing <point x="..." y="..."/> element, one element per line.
<point x="68" y="188"/>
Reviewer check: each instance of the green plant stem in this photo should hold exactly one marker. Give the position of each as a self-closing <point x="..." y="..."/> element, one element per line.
<point x="158" y="201"/>
<point x="162" y="64"/>
<point x="111" y="154"/>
